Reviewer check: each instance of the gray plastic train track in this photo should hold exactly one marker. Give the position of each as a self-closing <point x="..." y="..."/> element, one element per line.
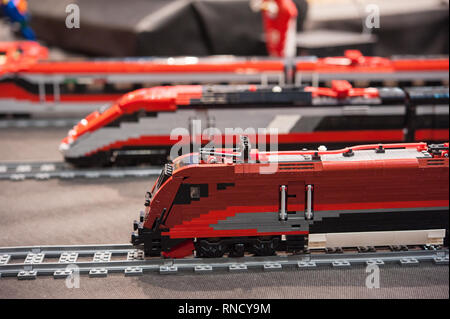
<point x="38" y="123"/>
<point x="48" y="170"/>
<point x="100" y="260"/>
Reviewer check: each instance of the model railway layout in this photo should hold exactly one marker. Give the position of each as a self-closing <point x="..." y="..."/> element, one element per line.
<point x="138" y="127"/>
<point x="31" y="84"/>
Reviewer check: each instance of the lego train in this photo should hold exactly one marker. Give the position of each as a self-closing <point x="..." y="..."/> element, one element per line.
<point x="139" y="128"/>
<point x="41" y="86"/>
<point x="235" y="202"/>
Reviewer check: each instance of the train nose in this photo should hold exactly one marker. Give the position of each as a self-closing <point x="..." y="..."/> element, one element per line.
<point x="64" y="147"/>
<point x="136" y="235"/>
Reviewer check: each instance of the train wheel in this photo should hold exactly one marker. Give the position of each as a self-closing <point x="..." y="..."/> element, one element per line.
<point x="237" y="250"/>
<point x="210" y="248"/>
<point x="265" y="246"/>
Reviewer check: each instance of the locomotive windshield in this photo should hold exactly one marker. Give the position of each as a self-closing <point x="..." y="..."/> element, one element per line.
<point x="185" y="160"/>
<point x="179" y="162"/>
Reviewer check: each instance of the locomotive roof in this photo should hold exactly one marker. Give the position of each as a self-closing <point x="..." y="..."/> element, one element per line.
<point x="358" y="155"/>
<point x="351" y="154"/>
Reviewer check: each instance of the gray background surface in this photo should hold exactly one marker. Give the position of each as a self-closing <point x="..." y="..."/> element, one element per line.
<point x="101" y="211"/>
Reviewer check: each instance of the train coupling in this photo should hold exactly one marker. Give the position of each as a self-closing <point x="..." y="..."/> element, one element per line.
<point x="137" y="236"/>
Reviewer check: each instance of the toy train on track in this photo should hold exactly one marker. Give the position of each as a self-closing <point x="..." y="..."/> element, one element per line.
<point x="233" y="202"/>
<point x="31" y="84"/>
<point x="138" y="127"/>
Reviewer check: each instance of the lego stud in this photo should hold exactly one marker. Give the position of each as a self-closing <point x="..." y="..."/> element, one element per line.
<point x="380" y="149"/>
<point x="349" y="153"/>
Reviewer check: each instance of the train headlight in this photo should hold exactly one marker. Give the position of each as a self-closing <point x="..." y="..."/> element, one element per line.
<point x="63" y="147"/>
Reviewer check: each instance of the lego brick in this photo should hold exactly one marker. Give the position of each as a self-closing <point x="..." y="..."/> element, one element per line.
<point x="135" y="255"/>
<point x="237" y="267"/>
<point x="62" y="274"/>
<point x="272" y="266"/>
<point x="341" y="263"/>
<point x="68" y="258"/>
<point x="202" y="269"/>
<point x="168" y="269"/>
<point x="374" y="262"/>
<point x="409" y="261"/>
<point x="102" y="256"/>
<point x="133" y="271"/>
<point x="33" y="258"/>
<point x="306" y="264"/>
<point x="4" y="259"/>
<point x="441" y="260"/>
<point x="27" y="275"/>
<point x="98" y="273"/>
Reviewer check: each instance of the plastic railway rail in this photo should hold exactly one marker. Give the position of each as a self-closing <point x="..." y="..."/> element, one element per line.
<point x="38" y="123"/>
<point x="99" y="260"/>
<point x="18" y="171"/>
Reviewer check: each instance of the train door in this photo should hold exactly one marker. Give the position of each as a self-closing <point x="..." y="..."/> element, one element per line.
<point x="296" y="198"/>
<point x="292" y="199"/>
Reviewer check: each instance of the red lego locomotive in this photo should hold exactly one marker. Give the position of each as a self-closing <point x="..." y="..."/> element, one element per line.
<point x="221" y="201"/>
<point x="139" y="127"/>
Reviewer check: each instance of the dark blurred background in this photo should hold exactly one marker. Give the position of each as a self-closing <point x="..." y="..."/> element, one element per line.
<point x="207" y="27"/>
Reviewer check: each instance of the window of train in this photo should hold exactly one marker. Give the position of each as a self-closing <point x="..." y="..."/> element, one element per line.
<point x="2" y="57"/>
<point x="123" y="87"/>
<point x="95" y="86"/>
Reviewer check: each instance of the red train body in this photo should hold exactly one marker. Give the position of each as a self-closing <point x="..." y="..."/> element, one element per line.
<point x="16" y="56"/>
<point x="220" y="201"/>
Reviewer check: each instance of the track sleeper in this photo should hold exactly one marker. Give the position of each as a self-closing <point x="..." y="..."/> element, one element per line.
<point x="272" y="266"/>
<point x="135" y="255"/>
<point x="68" y="258"/>
<point x="98" y="273"/>
<point x="374" y="262"/>
<point x="23" y="169"/>
<point x="441" y="260"/>
<point x="27" y="275"/>
<point x="4" y="259"/>
<point x="102" y="256"/>
<point x="17" y="177"/>
<point x="409" y="261"/>
<point x="203" y="268"/>
<point x="133" y="271"/>
<point x="92" y="175"/>
<point x="34" y="258"/>
<point x="42" y="176"/>
<point x="237" y="267"/>
<point x="341" y="263"/>
<point x="306" y="264"/>
<point x="62" y="274"/>
<point x="168" y="269"/>
<point x="67" y="175"/>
